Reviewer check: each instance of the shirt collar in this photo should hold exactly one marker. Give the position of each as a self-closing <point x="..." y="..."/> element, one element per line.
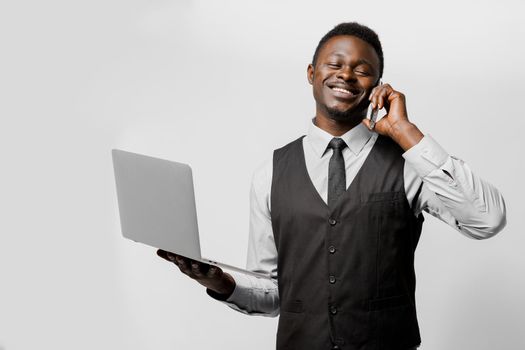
<point x="355" y="139"/>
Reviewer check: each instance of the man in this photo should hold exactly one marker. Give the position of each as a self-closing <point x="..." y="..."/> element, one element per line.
<point x="336" y="215"/>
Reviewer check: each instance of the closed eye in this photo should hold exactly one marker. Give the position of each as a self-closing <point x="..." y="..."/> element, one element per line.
<point x="362" y="73"/>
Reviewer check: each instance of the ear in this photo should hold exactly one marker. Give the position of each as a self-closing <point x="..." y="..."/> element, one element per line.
<point x="310" y="74"/>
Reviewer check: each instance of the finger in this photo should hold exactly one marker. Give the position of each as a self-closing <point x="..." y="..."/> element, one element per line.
<point x="372" y="93"/>
<point x="183" y="265"/>
<point x="165" y="255"/>
<point x="199" y="268"/>
<point x="383" y="96"/>
<point x="195" y="269"/>
<point x="171" y="257"/>
<point x="376" y="92"/>
<point x="386" y="86"/>
<point x="214" y="272"/>
<point x="373" y="96"/>
<point x="380" y="126"/>
<point x="366" y="122"/>
<point x="381" y="99"/>
<point x="162" y="254"/>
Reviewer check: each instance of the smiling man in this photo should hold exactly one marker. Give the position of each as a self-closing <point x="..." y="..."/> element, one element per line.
<point x="336" y="215"/>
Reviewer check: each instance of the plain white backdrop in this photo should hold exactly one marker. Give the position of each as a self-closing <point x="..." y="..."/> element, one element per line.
<point x="220" y="85"/>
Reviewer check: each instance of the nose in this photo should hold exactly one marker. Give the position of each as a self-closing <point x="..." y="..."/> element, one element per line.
<point x="346" y="73"/>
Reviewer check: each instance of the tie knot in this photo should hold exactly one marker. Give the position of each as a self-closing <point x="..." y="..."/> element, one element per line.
<point x="337" y="144"/>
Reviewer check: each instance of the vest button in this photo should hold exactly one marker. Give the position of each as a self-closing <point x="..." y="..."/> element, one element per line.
<point x="333" y="310"/>
<point x="332" y="221"/>
<point x="332" y="279"/>
<point x="331" y="249"/>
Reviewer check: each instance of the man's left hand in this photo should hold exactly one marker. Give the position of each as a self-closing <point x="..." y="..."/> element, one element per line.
<point x="395" y="123"/>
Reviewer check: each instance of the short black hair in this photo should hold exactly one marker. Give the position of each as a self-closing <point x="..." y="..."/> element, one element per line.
<point x="358" y="30"/>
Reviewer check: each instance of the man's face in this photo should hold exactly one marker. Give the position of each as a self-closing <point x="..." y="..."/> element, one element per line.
<point x="347" y="69"/>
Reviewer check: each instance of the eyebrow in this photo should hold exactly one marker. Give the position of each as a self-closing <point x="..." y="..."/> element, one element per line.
<point x="360" y="61"/>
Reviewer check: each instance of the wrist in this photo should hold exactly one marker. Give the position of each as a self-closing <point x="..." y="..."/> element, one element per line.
<point x="405" y="134"/>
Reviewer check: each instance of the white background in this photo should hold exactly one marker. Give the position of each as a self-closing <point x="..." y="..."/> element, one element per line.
<point x="219" y="85"/>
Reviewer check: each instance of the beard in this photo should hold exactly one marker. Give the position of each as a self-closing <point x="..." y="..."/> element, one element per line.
<point x="354" y="115"/>
<point x="341" y="116"/>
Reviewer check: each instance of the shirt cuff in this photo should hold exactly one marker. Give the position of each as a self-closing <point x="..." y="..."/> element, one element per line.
<point x="241" y="292"/>
<point x="426" y="156"/>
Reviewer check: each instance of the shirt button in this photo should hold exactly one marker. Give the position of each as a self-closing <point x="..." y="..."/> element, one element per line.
<point x="332" y="221"/>
<point x="333" y="310"/>
<point x="331" y="249"/>
<point x="332" y="279"/>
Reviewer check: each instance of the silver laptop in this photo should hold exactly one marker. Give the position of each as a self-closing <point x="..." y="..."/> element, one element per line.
<point x="156" y="202"/>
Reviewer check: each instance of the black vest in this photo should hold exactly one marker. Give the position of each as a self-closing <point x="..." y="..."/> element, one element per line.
<point x="346" y="275"/>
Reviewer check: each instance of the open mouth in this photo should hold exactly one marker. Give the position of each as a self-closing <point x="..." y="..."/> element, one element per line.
<point x="344" y="92"/>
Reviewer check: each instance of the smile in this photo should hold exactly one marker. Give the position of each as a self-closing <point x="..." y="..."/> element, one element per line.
<point x="344" y="91"/>
<point x="344" y="94"/>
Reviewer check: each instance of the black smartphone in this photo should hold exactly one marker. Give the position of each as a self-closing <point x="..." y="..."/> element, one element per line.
<point x="371" y="113"/>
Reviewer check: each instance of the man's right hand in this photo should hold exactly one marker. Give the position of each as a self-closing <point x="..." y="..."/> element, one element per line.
<point x="210" y="276"/>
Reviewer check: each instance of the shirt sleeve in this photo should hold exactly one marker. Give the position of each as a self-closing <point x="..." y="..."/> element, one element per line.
<point x="252" y="295"/>
<point x="451" y="192"/>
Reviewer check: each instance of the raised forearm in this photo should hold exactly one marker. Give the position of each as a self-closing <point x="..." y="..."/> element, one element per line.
<point x="406" y="134"/>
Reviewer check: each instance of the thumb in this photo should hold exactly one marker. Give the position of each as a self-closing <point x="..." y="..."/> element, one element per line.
<point x="366" y="122"/>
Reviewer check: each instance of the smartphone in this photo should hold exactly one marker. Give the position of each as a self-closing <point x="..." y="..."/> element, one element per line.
<point x="371" y="113"/>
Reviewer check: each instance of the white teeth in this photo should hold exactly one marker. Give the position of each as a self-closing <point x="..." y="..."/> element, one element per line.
<point x="341" y="90"/>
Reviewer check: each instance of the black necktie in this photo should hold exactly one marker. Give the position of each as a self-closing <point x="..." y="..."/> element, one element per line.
<point x="336" y="171"/>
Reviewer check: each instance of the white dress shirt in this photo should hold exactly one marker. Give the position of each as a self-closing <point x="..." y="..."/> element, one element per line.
<point x="435" y="182"/>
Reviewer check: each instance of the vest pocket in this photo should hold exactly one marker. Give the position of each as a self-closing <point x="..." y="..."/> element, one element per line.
<point x="290" y="321"/>
<point x="382" y="196"/>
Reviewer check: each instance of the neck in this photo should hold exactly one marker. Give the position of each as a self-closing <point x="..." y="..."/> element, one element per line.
<point x="335" y="127"/>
